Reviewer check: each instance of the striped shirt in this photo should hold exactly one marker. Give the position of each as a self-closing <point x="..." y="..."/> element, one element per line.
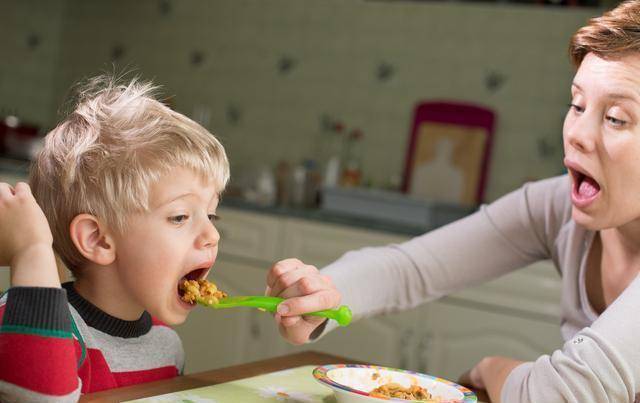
<point x="55" y="345"/>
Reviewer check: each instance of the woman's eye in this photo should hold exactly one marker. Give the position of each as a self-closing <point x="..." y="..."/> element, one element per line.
<point x="178" y="219"/>
<point x="213" y="217"/>
<point x="576" y="108"/>
<point x="616" y="122"/>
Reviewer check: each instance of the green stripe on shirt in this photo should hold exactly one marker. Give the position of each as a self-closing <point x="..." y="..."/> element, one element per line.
<point x="35" y="331"/>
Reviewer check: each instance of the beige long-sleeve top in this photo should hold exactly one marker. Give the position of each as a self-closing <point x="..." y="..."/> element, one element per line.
<point x="600" y="360"/>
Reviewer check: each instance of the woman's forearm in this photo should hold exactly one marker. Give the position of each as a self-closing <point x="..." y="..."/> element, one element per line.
<point x="494" y="372"/>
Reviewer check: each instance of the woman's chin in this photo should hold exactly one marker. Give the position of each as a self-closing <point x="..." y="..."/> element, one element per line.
<point x="585" y="220"/>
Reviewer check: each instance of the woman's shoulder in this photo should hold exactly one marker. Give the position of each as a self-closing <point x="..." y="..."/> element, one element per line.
<point x="542" y="206"/>
<point x="568" y="240"/>
<point x="558" y="187"/>
<point x="550" y="198"/>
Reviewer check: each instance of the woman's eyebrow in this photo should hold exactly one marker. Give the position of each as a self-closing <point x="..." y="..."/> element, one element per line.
<point x="615" y="94"/>
<point x="623" y="96"/>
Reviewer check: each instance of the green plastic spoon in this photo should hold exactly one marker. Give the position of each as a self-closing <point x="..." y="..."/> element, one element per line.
<point x="342" y="315"/>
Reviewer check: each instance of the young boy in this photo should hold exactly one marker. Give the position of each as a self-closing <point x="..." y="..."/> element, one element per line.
<point x="129" y="189"/>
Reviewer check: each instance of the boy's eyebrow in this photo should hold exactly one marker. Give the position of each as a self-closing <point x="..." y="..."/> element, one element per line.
<point x="177" y="197"/>
<point x="215" y="196"/>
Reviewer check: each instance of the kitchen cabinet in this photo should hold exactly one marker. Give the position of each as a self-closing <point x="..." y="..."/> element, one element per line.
<point x="320" y="244"/>
<point x="250" y="236"/>
<point x="456" y="337"/>
<point x="516" y="315"/>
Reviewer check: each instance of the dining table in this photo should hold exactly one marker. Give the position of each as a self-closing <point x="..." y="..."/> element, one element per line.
<point x="222" y="375"/>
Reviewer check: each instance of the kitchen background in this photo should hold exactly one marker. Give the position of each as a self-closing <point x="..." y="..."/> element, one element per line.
<point x="279" y="80"/>
<point x="266" y="76"/>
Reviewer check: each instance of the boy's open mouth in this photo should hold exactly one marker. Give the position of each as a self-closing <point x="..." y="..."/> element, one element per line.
<point x="196" y="274"/>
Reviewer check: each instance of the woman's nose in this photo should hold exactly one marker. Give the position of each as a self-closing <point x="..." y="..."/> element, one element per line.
<point x="581" y="133"/>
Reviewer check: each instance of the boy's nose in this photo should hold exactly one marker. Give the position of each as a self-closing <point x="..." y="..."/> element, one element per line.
<point x="209" y="236"/>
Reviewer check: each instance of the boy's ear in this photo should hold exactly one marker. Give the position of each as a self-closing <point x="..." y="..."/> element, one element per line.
<point x="92" y="239"/>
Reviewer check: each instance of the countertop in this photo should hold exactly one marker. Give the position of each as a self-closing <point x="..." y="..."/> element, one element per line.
<point x="12" y="170"/>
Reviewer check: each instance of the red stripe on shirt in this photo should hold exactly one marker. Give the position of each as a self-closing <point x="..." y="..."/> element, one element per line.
<point x="42" y="364"/>
<point x="95" y="373"/>
<point x="97" y="376"/>
<point x="156" y="322"/>
<point x="148" y="375"/>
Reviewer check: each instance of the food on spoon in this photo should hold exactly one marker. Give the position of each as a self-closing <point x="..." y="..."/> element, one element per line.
<point x="201" y="290"/>
<point x="413" y="392"/>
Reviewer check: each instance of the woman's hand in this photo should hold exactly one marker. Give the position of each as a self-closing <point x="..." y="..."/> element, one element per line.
<point x="305" y="290"/>
<point x="472" y="378"/>
<point x="490" y="374"/>
<point x="25" y="238"/>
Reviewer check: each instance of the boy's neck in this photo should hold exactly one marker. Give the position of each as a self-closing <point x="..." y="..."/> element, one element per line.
<point x="101" y="287"/>
<point x="96" y="318"/>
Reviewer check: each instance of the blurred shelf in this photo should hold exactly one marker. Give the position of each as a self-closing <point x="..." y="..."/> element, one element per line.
<point x="320" y="215"/>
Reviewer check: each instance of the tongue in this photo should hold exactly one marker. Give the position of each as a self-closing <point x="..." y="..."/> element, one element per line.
<point x="588" y="187"/>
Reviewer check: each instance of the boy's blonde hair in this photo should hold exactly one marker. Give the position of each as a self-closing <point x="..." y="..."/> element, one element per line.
<point x="104" y="157"/>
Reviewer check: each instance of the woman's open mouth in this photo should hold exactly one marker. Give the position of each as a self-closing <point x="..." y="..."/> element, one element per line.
<point x="585" y="189"/>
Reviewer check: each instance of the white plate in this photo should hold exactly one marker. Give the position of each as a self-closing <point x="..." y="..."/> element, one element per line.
<point x="352" y="383"/>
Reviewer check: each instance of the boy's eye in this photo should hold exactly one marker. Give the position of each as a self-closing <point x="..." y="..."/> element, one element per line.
<point x="178" y="219"/>
<point x="213" y="217"/>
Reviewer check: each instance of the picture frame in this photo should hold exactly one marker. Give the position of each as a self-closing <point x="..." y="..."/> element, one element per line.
<point x="448" y="152"/>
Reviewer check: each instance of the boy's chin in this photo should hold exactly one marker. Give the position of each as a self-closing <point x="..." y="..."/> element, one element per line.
<point x="170" y="318"/>
<point x="174" y="319"/>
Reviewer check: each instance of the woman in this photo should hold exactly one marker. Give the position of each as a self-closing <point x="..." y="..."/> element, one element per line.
<point x="586" y="222"/>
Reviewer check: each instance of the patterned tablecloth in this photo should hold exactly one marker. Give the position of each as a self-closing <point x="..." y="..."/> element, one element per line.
<point x="295" y="385"/>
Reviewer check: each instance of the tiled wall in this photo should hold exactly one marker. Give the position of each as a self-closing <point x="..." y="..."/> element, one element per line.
<point x="267" y="70"/>
<point x="30" y="57"/>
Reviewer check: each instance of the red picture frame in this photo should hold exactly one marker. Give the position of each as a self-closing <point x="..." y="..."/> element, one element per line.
<point x="467" y="131"/>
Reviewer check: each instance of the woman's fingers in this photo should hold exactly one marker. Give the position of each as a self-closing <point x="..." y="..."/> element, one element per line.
<point x="305" y="290"/>
<point x="297" y="329"/>
<point x="6" y="191"/>
<point x="306" y="286"/>
<point x="310" y="302"/>
<point x="22" y="189"/>
<point x="288" y="279"/>
<point x="290" y="321"/>
<point x="465" y="379"/>
<point x="280" y="268"/>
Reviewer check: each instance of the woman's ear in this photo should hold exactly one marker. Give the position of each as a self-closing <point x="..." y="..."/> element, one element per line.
<point x="92" y="239"/>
